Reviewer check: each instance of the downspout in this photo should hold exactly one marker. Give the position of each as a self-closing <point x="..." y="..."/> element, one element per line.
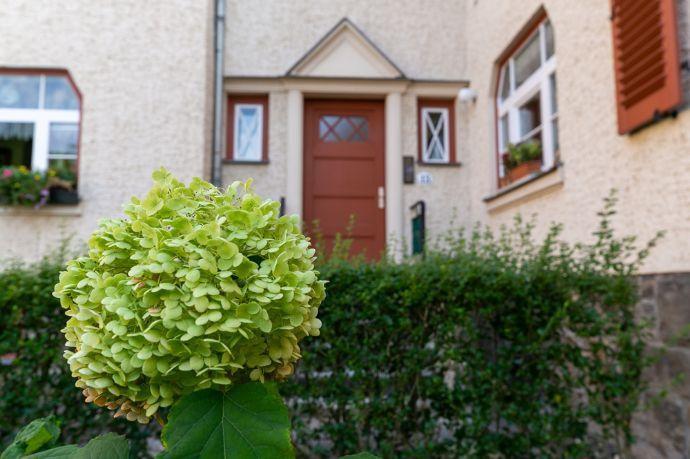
<point x="219" y="48"/>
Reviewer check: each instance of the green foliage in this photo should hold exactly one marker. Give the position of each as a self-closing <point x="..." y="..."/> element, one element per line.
<point x="34" y="378"/>
<point x="196" y="288"/>
<point x="496" y="346"/>
<point x="34" y="440"/>
<point x="40" y="433"/>
<point x="248" y="420"/>
<point x="21" y="187"/>
<point x="108" y="446"/>
<point x="522" y="153"/>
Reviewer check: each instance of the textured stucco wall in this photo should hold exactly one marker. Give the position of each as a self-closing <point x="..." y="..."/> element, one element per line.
<point x="651" y="169"/>
<point x="144" y="69"/>
<point x="423" y="38"/>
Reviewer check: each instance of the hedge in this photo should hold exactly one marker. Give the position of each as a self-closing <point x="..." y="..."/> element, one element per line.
<point x="496" y="346"/>
<point x="34" y="378"/>
<point x="491" y="346"/>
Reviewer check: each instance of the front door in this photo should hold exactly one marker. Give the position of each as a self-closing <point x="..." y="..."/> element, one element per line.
<point x="344" y="172"/>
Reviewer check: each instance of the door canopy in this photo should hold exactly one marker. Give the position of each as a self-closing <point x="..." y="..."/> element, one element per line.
<point x="345" y="52"/>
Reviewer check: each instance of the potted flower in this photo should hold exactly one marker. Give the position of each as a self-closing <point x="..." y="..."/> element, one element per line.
<point x="62" y="182"/>
<point x="20" y="186"/>
<point x="521" y="160"/>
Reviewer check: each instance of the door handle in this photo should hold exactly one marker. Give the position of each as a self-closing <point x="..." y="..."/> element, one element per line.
<point x="382" y="197"/>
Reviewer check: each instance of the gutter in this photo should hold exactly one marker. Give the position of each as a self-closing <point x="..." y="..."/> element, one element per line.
<point x="219" y="49"/>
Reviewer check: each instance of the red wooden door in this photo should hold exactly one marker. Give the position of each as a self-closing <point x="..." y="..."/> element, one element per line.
<point x="344" y="172"/>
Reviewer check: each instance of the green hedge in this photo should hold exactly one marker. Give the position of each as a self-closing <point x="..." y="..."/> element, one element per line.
<point x="495" y="347"/>
<point x="34" y="378"/>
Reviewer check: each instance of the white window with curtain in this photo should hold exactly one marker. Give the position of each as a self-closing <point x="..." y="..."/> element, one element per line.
<point x="526" y="103"/>
<point x="39" y="121"/>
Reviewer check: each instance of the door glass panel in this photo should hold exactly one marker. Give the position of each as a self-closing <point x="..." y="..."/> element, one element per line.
<point x="528" y="60"/>
<point x="335" y="128"/>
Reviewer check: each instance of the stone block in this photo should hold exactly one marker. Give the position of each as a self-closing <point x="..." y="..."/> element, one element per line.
<point x="673" y="304"/>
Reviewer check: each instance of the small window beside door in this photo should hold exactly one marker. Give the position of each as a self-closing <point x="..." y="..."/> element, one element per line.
<point x="436" y="132"/>
<point x="247" y="133"/>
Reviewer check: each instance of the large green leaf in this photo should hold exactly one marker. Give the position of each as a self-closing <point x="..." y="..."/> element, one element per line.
<point x="39" y="433"/>
<point x="108" y="446"/>
<point x="247" y="421"/>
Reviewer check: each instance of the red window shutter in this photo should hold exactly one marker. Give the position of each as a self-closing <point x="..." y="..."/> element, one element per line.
<point x="645" y="45"/>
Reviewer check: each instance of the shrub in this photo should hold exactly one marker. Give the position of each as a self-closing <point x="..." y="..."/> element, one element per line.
<point x="196" y="288"/>
<point x="197" y="299"/>
<point x="35" y="380"/>
<point x="496" y="346"/>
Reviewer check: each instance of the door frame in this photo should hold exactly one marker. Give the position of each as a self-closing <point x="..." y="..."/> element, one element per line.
<point x="344" y="104"/>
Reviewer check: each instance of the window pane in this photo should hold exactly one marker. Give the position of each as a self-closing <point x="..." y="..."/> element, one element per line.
<point x="435" y="148"/>
<point x="335" y="128"/>
<point x="63" y="140"/>
<point x="248" y="135"/>
<point x="503" y="134"/>
<point x="527" y="60"/>
<point x="16" y="143"/>
<point x="60" y="94"/>
<point x="65" y="170"/>
<point x="554" y="103"/>
<point x="548" y="31"/>
<point x="19" y="91"/>
<point x="505" y="83"/>
<point x="530" y="115"/>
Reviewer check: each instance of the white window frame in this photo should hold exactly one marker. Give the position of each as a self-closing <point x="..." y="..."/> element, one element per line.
<point x="426" y="120"/>
<point x="41" y="118"/>
<point x="236" y="132"/>
<point x="537" y="82"/>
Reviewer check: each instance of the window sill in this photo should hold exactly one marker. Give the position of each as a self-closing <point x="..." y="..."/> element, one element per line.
<point x="50" y="210"/>
<point x="245" y="163"/>
<point x="427" y="164"/>
<point x="525" y="189"/>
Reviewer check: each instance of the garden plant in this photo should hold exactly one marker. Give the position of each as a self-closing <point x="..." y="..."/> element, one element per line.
<point x="196" y="300"/>
<point x="493" y="344"/>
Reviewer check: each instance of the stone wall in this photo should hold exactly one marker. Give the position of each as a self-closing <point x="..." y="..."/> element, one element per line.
<point x="663" y="430"/>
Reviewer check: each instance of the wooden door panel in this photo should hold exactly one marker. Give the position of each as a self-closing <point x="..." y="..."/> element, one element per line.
<point x="344" y="170"/>
<point x="355" y="177"/>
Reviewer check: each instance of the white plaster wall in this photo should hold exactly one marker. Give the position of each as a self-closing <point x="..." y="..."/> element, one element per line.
<point x="651" y="169"/>
<point x="424" y="38"/>
<point x="144" y="69"/>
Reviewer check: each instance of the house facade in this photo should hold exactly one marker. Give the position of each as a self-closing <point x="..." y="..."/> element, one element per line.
<point x="477" y="108"/>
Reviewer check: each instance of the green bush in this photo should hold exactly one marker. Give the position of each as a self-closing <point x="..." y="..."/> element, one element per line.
<point x="35" y="380"/>
<point x="496" y="346"/>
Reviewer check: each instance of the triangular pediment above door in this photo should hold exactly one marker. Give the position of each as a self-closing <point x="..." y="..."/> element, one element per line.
<point x="345" y="52"/>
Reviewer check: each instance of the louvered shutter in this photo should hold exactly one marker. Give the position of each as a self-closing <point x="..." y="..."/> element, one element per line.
<point x="645" y="43"/>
